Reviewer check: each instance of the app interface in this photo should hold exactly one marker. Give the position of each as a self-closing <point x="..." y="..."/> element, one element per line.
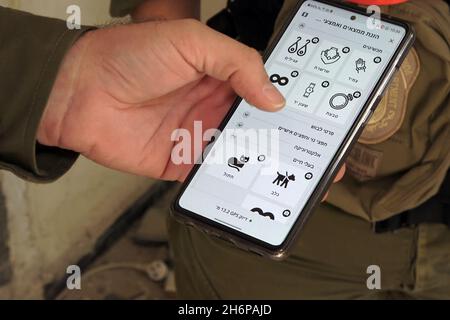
<point x="326" y="65"/>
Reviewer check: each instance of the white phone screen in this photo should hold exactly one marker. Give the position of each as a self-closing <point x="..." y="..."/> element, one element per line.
<point x="264" y="166"/>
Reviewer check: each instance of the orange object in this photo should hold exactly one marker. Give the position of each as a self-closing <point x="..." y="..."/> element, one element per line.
<point x="378" y="2"/>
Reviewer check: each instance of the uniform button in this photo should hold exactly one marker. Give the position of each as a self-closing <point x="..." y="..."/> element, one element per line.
<point x="157" y="270"/>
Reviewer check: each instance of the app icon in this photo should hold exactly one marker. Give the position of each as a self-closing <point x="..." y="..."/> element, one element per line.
<point x="261" y="212"/>
<point x="360" y="65"/>
<point x="330" y="56"/>
<point x="341" y="100"/>
<point x="238" y="164"/>
<point x="283" y="180"/>
<point x="309" y="90"/>
<point x="301" y="50"/>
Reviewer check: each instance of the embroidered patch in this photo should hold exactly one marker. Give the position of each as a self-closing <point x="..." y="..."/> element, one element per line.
<point x="390" y="113"/>
<point x="363" y="162"/>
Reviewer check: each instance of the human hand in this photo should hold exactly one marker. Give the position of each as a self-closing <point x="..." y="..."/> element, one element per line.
<point x="122" y="91"/>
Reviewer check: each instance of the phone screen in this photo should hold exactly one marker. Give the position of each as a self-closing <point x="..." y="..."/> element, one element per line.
<point x="262" y="169"/>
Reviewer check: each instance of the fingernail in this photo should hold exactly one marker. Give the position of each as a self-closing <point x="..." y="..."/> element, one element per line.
<point x="274" y="96"/>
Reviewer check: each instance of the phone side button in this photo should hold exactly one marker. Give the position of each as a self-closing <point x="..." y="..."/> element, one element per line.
<point x="375" y="104"/>
<point x="366" y="120"/>
<point x="387" y="85"/>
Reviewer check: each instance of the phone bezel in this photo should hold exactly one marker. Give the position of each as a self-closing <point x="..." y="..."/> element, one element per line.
<point x="258" y="246"/>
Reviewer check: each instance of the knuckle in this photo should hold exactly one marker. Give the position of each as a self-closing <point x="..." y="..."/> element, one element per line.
<point x="253" y="55"/>
<point x="192" y="31"/>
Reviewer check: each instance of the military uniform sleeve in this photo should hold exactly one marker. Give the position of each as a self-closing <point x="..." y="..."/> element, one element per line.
<point x="120" y="8"/>
<point x="31" y="50"/>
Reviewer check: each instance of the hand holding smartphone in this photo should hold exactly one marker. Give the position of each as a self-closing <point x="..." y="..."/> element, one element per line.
<point x="266" y="172"/>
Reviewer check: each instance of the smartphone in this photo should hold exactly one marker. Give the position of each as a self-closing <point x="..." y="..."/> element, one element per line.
<point x="265" y="173"/>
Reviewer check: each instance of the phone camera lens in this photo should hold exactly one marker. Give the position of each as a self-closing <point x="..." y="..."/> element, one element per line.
<point x="353" y="18"/>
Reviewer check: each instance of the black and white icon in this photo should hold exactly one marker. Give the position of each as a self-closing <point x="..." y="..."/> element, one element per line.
<point x="309" y="176"/>
<point x="346" y="50"/>
<point x="294" y="74"/>
<point x="360" y="65"/>
<point x="294" y="47"/>
<point x="261" y="212"/>
<point x="286" y="213"/>
<point x="309" y="90"/>
<point x="280" y="80"/>
<point x="302" y="50"/>
<point x="283" y="180"/>
<point x="238" y="164"/>
<point x="330" y="56"/>
<point x="325" y="84"/>
<point x="341" y="100"/>
<point x="377" y="60"/>
<point x="261" y="158"/>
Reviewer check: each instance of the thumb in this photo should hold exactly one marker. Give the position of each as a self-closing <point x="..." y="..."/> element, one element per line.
<point x="223" y="58"/>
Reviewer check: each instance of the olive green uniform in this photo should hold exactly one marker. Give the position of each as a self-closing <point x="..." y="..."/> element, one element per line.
<point x="400" y="163"/>
<point x="31" y="50"/>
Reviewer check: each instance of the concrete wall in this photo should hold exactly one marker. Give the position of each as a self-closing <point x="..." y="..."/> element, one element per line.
<point x="211" y="7"/>
<point x="44" y="228"/>
<point x="52" y="226"/>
